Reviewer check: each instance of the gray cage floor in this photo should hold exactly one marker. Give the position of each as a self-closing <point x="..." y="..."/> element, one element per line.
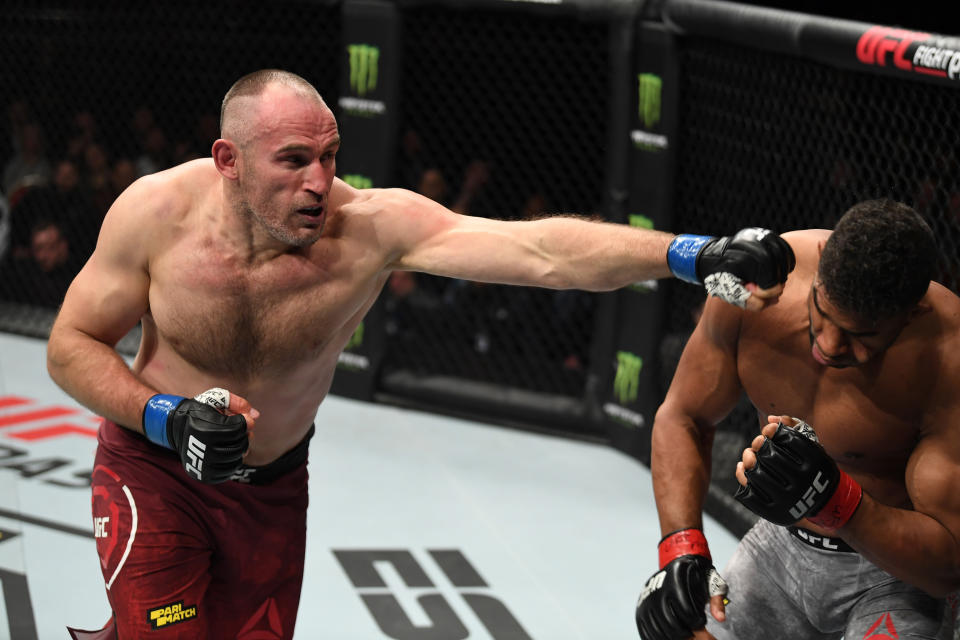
<point x="562" y="532"/>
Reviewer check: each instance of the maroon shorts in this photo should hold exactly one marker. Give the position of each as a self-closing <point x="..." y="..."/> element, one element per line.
<point x="183" y="559"/>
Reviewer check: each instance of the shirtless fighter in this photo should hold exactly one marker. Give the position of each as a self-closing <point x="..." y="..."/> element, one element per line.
<point x="249" y="272"/>
<point x="859" y="535"/>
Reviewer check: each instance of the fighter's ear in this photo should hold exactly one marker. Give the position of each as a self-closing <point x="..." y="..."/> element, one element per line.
<point x="226" y="156"/>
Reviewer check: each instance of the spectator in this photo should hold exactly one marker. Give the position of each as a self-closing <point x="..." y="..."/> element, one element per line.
<point x="42" y="278"/>
<point x="154" y="154"/>
<point x="74" y="208"/>
<point x="29" y="166"/>
<point x="409" y="307"/>
<point x="83" y="132"/>
<point x="96" y="177"/>
<point x="122" y="175"/>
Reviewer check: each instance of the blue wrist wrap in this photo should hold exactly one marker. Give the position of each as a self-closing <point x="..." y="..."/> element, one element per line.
<point x="682" y="256"/>
<point x="155" y="417"/>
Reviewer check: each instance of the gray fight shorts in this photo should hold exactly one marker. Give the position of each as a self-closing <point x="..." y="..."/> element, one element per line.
<point x="785" y="587"/>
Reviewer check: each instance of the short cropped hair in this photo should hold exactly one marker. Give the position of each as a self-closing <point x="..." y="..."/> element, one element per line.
<point x="254" y="84"/>
<point x="879" y="260"/>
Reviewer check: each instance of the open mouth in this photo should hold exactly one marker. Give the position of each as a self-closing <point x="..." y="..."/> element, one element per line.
<point x="312" y="212"/>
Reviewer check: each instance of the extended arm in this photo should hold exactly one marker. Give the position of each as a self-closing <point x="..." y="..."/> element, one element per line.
<point x="566" y="252"/>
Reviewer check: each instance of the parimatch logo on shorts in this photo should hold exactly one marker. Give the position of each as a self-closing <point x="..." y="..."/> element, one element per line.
<point x="168" y="614"/>
<point x="364" y="63"/>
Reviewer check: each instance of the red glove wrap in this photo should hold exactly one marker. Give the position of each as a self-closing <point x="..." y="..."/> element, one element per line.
<point x="841" y="506"/>
<point x="685" y="542"/>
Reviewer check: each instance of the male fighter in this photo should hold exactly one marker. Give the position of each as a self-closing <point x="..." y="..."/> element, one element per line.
<point x="860" y="532"/>
<point x="249" y="272"/>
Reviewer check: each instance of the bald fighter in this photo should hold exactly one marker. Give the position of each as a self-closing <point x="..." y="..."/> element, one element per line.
<point x="855" y="377"/>
<point x="249" y="272"/>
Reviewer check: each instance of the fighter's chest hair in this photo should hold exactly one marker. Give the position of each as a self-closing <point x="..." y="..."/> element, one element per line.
<point x="278" y="312"/>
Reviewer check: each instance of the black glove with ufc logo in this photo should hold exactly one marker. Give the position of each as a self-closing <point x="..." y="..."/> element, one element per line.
<point x="795" y="478"/>
<point x="211" y="445"/>
<point x="724" y="265"/>
<point x="673" y="602"/>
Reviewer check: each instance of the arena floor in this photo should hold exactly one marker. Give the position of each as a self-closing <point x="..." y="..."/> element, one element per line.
<point x="560" y="534"/>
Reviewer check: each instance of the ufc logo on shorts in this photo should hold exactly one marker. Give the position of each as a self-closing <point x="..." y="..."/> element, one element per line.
<point x="195" y="450"/>
<point x="100" y="527"/>
<point x="804" y="503"/>
<point x="407" y="605"/>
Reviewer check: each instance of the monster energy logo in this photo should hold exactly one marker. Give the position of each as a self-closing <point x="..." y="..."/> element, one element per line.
<point x="364" y="76"/>
<point x="364" y="63"/>
<point x="358" y="181"/>
<point x="626" y="384"/>
<point x="354" y="361"/>
<point x="650" y="89"/>
<point x="356" y="340"/>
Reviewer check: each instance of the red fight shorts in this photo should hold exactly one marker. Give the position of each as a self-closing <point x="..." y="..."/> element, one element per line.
<point x="183" y="559"/>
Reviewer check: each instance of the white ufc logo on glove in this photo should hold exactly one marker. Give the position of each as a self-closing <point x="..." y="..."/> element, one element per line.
<point x="807" y="500"/>
<point x="195" y="450"/>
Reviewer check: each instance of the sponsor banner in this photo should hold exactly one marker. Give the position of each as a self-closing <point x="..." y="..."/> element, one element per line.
<point x="367" y="107"/>
<point x="849" y="44"/>
<point x="633" y="391"/>
<point x="368" y="118"/>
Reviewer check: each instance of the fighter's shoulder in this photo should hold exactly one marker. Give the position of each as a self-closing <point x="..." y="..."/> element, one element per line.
<point x="806" y="242"/>
<point x="166" y="196"/>
<point x="945" y="318"/>
<point x="387" y="206"/>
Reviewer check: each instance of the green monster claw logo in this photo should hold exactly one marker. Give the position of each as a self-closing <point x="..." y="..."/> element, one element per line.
<point x="356" y="340"/>
<point x="651" y="86"/>
<point x="626" y="384"/>
<point x="358" y="181"/>
<point x="637" y="220"/>
<point x="364" y="59"/>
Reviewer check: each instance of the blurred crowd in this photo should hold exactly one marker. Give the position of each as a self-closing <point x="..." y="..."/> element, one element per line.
<point x="58" y="181"/>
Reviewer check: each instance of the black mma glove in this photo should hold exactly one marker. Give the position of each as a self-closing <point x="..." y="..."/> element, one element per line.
<point x="673" y="602"/>
<point x="722" y="265"/>
<point x="795" y="478"/>
<point x="211" y="445"/>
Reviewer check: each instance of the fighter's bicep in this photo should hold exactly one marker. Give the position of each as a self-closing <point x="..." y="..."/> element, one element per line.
<point x="110" y="294"/>
<point x="932" y="476"/>
<point x="706" y="383"/>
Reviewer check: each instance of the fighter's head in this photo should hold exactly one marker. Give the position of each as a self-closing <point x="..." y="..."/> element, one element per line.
<point x="277" y="150"/>
<point x="874" y="269"/>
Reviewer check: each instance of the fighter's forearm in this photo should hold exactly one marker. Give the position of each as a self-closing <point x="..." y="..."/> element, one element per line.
<point x="909" y="545"/>
<point x="96" y="376"/>
<point x="680" y="465"/>
<point x="601" y="256"/>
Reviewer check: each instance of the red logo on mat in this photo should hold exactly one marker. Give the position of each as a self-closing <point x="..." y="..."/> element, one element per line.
<point x="32" y="422"/>
<point x="876" y="633"/>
